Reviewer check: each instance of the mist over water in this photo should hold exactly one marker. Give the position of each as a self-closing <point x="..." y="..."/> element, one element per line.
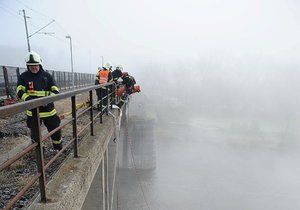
<point x="225" y="134"/>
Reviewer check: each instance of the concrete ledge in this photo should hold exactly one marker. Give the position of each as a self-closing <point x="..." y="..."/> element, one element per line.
<point x="70" y="185"/>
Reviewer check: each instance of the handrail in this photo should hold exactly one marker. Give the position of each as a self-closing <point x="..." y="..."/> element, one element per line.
<point x="27" y="105"/>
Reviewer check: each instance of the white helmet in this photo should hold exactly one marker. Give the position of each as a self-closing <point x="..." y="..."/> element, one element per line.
<point x="120" y="67"/>
<point x="33" y="59"/>
<point x="107" y="66"/>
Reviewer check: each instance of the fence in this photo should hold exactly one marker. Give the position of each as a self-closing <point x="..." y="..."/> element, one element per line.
<point x="9" y="77"/>
<point x="107" y="94"/>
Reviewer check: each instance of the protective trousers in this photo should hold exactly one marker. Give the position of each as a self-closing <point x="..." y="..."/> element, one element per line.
<point x="104" y="95"/>
<point x="51" y="123"/>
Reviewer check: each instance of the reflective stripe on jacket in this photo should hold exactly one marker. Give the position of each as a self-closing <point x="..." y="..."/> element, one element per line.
<point x="31" y="86"/>
<point x="42" y="114"/>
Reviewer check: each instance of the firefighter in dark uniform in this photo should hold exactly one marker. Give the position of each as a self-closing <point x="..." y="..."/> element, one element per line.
<point x="37" y="83"/>
<point x="117" y="73"/>
<point x="129" y="83"/>
<point x="103" y="76"/>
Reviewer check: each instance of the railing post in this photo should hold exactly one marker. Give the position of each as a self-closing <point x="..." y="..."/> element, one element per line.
<point x="91" y="113"/>
<point x="53" y="75"/>
<point x="79" y="80"/>
<point x="117" y="97"/>
<point x="107" y="99"/>
<point x="68" y="73"/>
<point x="76" y="80"/>
<point x="101" y="104"/>
<point x="65" y="84"/>
<point x="36" y="134"/>
<point x="113" y="93"/>
<point x="74" y="122"/>
<point x="18" y="72"/>
<point x="6" y="81"/>
<point x="58" y="79"/>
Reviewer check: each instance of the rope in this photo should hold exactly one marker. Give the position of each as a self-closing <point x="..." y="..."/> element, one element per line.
<point x="133" y="160"/>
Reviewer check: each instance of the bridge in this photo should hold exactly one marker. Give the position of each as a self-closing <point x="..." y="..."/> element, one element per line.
<point x="95" y="158"/>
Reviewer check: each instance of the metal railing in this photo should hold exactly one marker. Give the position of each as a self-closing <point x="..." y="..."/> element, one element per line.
<point x="9" y="77"/>
<point x="110" y="99"/>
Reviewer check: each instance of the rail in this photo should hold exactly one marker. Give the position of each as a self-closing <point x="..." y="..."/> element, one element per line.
<point x="108" y="89"/>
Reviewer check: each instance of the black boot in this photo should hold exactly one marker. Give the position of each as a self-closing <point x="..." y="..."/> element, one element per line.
<point x="57" y="146"/>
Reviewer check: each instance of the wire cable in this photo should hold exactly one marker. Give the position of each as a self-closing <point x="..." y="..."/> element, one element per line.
<point x="11" y="13"/>
<point x="36" y="11"/>
<point x="45" y="16"/>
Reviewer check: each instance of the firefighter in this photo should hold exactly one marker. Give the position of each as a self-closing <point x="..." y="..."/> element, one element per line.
<point x="36" y="83"/>
<point x="103" y="76"/>
<point x="129" y="83"/>
<point x="117" y="73"/>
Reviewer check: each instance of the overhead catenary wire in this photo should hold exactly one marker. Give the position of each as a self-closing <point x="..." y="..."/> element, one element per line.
<point x="16" y="15"/>
<point x="11" y="13"/>
<point x="57" y="23"/>
<point x="60" y="31"/>
<point x="45" y="16"/>
<point x="41" y="28"/>
<point x="34" y="10"/>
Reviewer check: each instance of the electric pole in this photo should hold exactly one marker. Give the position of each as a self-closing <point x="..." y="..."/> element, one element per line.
<point x="27" y="36"/>
<point x="72" y="69"/>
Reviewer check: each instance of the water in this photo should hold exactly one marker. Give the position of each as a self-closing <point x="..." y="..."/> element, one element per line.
<point x="213" y="164"/>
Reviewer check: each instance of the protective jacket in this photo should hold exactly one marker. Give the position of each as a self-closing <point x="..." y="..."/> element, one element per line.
<point x="116" y="74"/>
<point x="31" y="86"/>
<point x="102" y="77"/>
<point x="133" y="79"/>
<point x="129" y="83"/>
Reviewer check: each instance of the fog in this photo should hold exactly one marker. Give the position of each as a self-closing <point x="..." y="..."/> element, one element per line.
<point x="222" y="77"/>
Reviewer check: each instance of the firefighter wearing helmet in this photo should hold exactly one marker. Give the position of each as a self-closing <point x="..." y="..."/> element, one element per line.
<point x="117" y="73"/>
<point x="103" y="76"/>
<point x="36" y="83"/>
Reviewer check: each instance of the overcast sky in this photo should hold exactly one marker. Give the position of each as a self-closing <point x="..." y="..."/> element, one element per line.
<point x="137" y="32"/>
